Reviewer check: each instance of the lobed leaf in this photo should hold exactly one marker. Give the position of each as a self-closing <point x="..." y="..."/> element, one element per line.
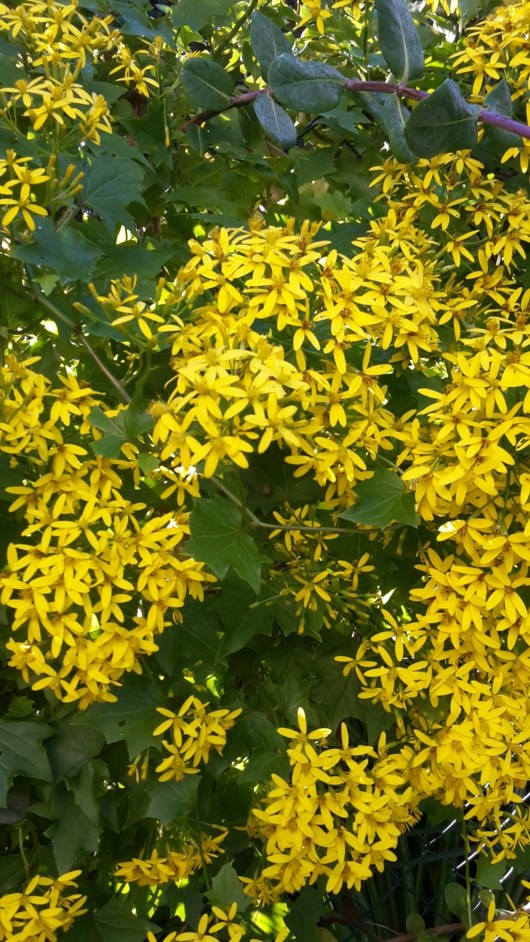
<point x="381" y="500"/>
<point x="217" y="539"/>
<point x="22" y="753"/>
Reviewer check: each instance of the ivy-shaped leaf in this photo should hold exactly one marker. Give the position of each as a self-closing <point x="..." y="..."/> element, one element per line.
<point x="22" y="753"/>
<point x="381" y="500"/>
<point x="109" y="186"/>
<point x="227" y="889"/>
<point x="218" y="539"/>
<point x="117" y="923"/>
<point x="132" y="718"/>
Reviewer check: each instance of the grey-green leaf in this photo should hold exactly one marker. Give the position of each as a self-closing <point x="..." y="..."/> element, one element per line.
<point x="268" y="41"/>
<point x="442" y="123"/>
<point x="206" y="84"/>
<point x="307" y="86"/>
<point x="275" y="121"/>
<point x="399" y="40"/>
<point x="395" y="117"/>
<point x="500" y="102"/>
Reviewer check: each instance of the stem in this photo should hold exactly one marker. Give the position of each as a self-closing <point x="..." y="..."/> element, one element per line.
<point x="356" y="86"/>
<point x="22" y="851"/>
<point x="437" y="930"/>
<point x="256" y="522"/>
<point x="77" y="331"/>
<point x="235" y="29"/>
<point x="467" y="872"/>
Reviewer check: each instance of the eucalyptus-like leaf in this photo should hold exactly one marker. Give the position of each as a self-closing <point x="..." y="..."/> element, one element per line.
<point x="399" y="40"/>
<point x="396" y="115"/>
<point x="500" y="101"/>
<point x="268" y="41"/>
<point x="442" y="123"/>
<point x="307" y="86"/>
<point x="275" y="121"/>
<point x="206" y="84"/>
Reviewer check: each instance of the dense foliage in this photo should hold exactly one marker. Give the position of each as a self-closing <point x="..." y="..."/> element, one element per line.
<point x="264" y="470"/>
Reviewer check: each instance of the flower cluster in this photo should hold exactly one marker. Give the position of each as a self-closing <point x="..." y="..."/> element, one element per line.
<point x="339" y="816"/>
<point x="220" y="924"/>
<point x="195" y="731"/>
<point x="177" y="865"/>
<point x="41" y="909"/>
<point x="56" y="42"/>
<point x="98" y="578"/>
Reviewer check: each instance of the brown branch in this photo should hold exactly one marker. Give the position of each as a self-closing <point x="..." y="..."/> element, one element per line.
<point x="356" y="85"/>
<point x="437" y="930"/>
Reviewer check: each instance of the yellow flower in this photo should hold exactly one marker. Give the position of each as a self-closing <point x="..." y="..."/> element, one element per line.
<point x="25" y="205"/>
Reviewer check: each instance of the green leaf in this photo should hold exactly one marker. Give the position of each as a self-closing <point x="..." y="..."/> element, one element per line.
<point x="147" y="463"/>
<point x="218" y="539"/>
<point x="22" y="753"/>
<point x="395" y="116"/>
<point x="414" y="923"/>
<point x="307" y="86"/>
<point x="206" y="84"/>
<point x="114" y="434"/>
<point x="499" y="99"/>
<point x="131" y="719"/>
<point x="172" y="800"/>
<point x="109" y="186"/>
<point x="275" y="121"/>
<point x="195" y="15"/>
<point x="455" y="896"/>
<point x="442" y="123"/>
<point x="500" y="102"/>
<point x="490" y="874"/>
<point x="127" y="258"/>
<point x="399" y="40"/>
<point x="116" y="923"/>
<point x="261" y="764"/>
<point x="305" y="914"/>
<point x="268" y="41"/>
<point x="192" y="642"/>
<point x="71" y="833"/>
<point x="71" y="748"/>
<point x="68" y="252"/>
<point x="239" y="631"/>
<point x="227" y="889"/>
<point x="381" y="500"/>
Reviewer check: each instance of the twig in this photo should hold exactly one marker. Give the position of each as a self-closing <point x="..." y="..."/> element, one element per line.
<point x="235" y="29"/>
<point x="256" y="522"/>
<point x="77" y="331"/>
<point x="436" y="930"/>
<point x="356" y="85"/>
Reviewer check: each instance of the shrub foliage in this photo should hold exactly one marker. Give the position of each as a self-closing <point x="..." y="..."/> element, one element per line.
<point x="264" y="470"/>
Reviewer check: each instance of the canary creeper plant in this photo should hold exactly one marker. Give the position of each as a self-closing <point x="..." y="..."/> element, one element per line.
<point x="264" y="471"/>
